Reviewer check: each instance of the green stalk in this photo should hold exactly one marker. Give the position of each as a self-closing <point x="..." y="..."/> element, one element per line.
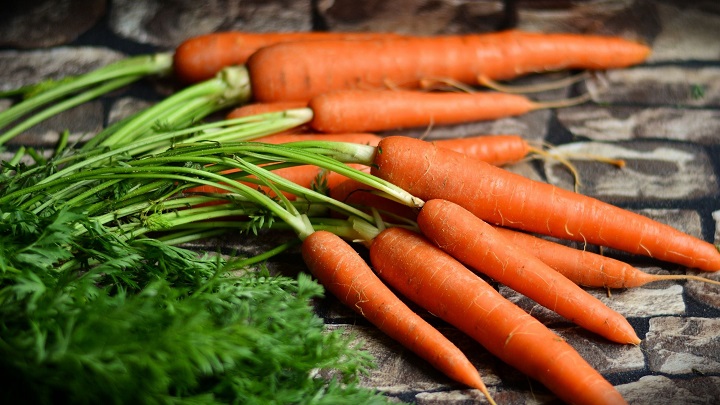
<point x="230" y="86"/>
<point x="124" y="71"/>
<point x="65" y="105"/>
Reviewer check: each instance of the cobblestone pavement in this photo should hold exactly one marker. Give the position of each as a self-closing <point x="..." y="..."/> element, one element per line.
<point x="662" y="118"/>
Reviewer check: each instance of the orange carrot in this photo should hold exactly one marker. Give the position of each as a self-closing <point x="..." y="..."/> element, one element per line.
<point x="477" y="244"/>
<point x="342" y="271"/>
<point x="507" y="199"/>
<point x="359" y="138"/>
<point x="200" y="58"/>
<point x="302" y="70"/>
<point x="382" y="110"/>
<point x="497" y="150"/>
<point x="434" y="280"/>
<point x="262" y="108"/>
<point x="587" y="268"/>
<point x="303" y="175"/>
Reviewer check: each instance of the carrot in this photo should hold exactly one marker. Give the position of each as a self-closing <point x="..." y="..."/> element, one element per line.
<point x="497" y="150"/>
<point x="477" y="244"/>
<point x="503" y="198"/>
<point x="303" y="175"/>
<point x="359" y="138"/>
<point x="434" y="280"/>
<point x="342" y="271"/>
<point x="262" y="108"/>
<point x="587" y="268"/>
<point x="302" y="70"/>
<point x="202" y="57"/>
<point x="382" y="110"/>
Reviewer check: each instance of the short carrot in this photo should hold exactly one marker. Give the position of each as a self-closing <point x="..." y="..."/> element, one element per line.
<point x="508" y="199"/>
<point x="478" y="245"/>
<point x="302" y="70"/>
<point x="436" y="281"/>
<point x="384" y="110"/>
<point x="342" y="271"/>
<point x="200" y="58"/>
<point x="587" y="268"/>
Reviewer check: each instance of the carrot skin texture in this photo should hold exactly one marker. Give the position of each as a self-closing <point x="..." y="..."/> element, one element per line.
<point x="497" y="150"/>
<point x="407" y="61"/>
<point x="345" y="274"/>
<point x="262" y="108"/>
<point x="202" y="57"/>
<point x="434" y="280"/>
<point x="383" y="110"/>
<point x="582" y="267"/>
<point x="507" y="199"/>
<point x="478" y="245"/>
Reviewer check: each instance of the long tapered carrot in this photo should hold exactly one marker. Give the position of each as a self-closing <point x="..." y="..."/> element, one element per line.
<point x="383" y="110"/>
<point x="507" y="199"/>
<point x="342" y="271"/>
<point x="426" y="275"/>
<point x="587" y="268"/>
<point x="200" y="58"/>
<point x="302" y="70"/>
<point x="478" y="245"/>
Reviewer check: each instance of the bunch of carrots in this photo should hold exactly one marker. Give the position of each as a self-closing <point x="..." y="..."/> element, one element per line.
<point x="464" y="217"/>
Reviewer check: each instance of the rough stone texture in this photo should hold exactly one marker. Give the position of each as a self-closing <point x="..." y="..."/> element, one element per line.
<point x="662" y="118"/>
<point x="420" y="17"/>
<point x="45" y="23"/>
<point x="21" y="68"/>
<point x="683" y="345"/>
<point x="167" y="23"/>
<point x="661" y="390"/>
<point x="617" y="123"/>
<point x="659" y="85"/>
<point x="653" y="170"/>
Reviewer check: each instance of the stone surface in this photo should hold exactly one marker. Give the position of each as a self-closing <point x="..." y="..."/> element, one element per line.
<point x="20" y="68"/>
<point x="661" y="390"/>
<point x="658" y="86"/>
<point x="683" y="345"/>
<point x="156" y="22"/>
<point x="653" y="170"/>
<point x="44" y="23"/>
<point x="419" y="17"/>
<point x="618" y="123"/>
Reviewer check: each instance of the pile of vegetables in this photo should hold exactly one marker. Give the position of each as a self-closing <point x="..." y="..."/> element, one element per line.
<point x="90" y="236"/>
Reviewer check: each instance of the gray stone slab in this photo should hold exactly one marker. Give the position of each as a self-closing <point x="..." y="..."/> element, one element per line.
<point x="658" y="86"/>
<point x="418" y="17"/>
<point x="653" y="171"/>
<point x="45" y="23"/>
<point x="676" y="345"/>
<point x="400" y="370"/>
<point x="153" y="22"/>
<point x="690" y="31"/>
<point x="661" y="390"/>
<point x="702" y="292"/>
<point x="614" y="123"/>
<point x="631" y="19"/>
<point x="19" y="68"/>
